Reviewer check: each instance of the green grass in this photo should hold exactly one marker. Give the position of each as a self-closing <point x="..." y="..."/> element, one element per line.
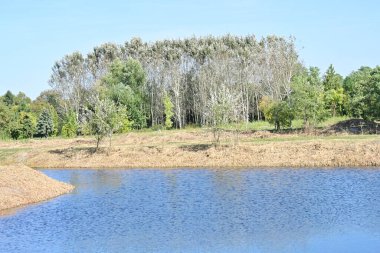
<point x="332" y="121"/>
<point x="311" y="137"/>
<point x="243" y="126"/>
<point x="255" y="125"/>
<point x="6" y="152"/>
<point x="296" y="124"/>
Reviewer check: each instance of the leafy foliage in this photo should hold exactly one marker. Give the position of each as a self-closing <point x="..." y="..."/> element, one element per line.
<point x="45" y="126"/>
<point x="278" y="113"/>
<point x="8" y="98"/>
<point x="308" y="97"/>
<point x="371" y="108"/>
<point x="124" y="85"/>
<point x="5" y="118"/>
<point x="70" y="126"/>
<point x="106" y="119"/>
<point x="335" y="99"/>
<point x="334" y="92"/>
<point x="168" y="112"/>
<point x="206" y="81"/>
<point x="332" y="80"/>
<point x="27" y="122"/>
<point x="354" y="86"/>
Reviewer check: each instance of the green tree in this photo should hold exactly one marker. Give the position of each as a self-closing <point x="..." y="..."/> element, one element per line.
<point x="278" y="113"/>
<point x="308" y="98"/>
<point x="168" y="112"/>
<point x="27" y="123"/>
<point x="70" y="125"/>
<point x="125" y="84"/>
<point x="51" y="98"/>
<point x="335" y="98"/>
<point x="5" y="118"/>
<point x="15" y="129"/>
<point x="332" y="80"/>
<point x="45" y="126"/>
<point x="354" y="86"/>
<point x="22" y="101"/>
<point x="106" y="119"/>
<point x="334" y="92"/>
<point x="371" y="109"/>
<point x="37" y="106"/>
<point x="8" y="98"/>
<point x="223" y="108"/>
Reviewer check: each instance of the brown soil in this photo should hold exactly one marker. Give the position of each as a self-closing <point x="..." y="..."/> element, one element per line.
<point x="20" y="185"/>
<point x="170" y="149"/>
<point x="355" y="126"/>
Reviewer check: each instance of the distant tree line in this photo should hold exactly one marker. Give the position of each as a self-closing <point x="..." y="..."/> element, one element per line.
<point x="207" y="81"/>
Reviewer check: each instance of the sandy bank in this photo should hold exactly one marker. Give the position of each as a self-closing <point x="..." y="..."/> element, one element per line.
<point x="20" y="185"/>
<point x="171" y="149"/>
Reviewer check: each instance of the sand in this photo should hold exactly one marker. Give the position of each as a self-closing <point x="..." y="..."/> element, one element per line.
<point x="21" y="185"/>
<point x="173" y="149"/>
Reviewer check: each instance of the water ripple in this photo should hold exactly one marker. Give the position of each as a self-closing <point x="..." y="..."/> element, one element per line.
<point x="185" y="210"/>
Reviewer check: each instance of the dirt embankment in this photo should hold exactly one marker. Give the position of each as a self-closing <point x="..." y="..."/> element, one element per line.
<point x="195" y="149"/>
<point x="20" y="185"/>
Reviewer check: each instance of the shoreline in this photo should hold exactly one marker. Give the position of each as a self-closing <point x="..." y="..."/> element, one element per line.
<point x="169" y="150"/>
<point x="195" y="149"/>
<point x="21" y="186"/>
<point x="206" y="168"/>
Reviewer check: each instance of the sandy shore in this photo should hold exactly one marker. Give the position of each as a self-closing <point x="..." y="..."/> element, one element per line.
<point x="170" y="149"/>
<point x="21" y="185"/>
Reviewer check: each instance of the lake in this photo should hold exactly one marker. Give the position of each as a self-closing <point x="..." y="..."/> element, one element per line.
<point x="203" y="210"/>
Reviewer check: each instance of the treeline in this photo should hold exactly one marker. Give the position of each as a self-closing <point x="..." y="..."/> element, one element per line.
<point x="207" y="81"/>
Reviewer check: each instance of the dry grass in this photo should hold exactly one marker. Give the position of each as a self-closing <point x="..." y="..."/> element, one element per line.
<point x="20" y="185"/>
<point x="193" y="148"/>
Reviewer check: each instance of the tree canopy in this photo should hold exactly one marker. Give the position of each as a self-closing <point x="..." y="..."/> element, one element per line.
<point x="204" y="81"/>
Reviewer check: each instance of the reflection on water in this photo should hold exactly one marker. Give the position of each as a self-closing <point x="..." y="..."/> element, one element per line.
<point x="184" y="210"/>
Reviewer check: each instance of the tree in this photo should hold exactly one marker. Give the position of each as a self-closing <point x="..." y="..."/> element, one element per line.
<point x="139" y="74"/>
<point x="223" y="108"/>
<point x="70" y="79"/>
<point x="125" y="84"/>
<point x="8" y="98"/>
<point x="334" y="92"/>
<point x="278" y="113"/>
<point x="332" y="80"/>
<point x="70" y="125"/>
<point x="38" y="106"/>
<point x="27" y="123"/>
<point x="45" y="126"/>
<point x="168" y="112"/>
<point x="22" y="101"/>
<point x="5" y="118"/>
<point x="106" y="119"/>
<point x="335" y="98"/>
<point x="307" y="98"/>
<point x="371" y="110"/>
<point x="354" y="86"/>
<point x="15" y="129"/>
<point x="52" y="98"/>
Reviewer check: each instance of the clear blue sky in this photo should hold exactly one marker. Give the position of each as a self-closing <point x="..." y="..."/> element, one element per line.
<point x="35" y="34"/>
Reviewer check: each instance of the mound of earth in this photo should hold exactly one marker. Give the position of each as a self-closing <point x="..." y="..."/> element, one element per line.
<point x="20" y="185"/>
<point x="355" y="126"/>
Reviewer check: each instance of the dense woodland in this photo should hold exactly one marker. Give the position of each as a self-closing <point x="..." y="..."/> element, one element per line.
<point x="207" y="81"/>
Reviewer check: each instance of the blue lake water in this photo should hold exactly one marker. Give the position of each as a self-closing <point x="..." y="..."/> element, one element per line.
<point x="203" y="210"/>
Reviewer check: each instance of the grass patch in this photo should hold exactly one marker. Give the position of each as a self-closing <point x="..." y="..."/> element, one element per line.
<point x="265" y="126"/>
<point x="332" y="121"/>
<point x="7" y="152"/>
<point x="292" y="138"/>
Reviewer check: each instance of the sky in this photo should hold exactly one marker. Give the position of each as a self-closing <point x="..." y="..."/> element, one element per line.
<point x="35" y="34"/>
